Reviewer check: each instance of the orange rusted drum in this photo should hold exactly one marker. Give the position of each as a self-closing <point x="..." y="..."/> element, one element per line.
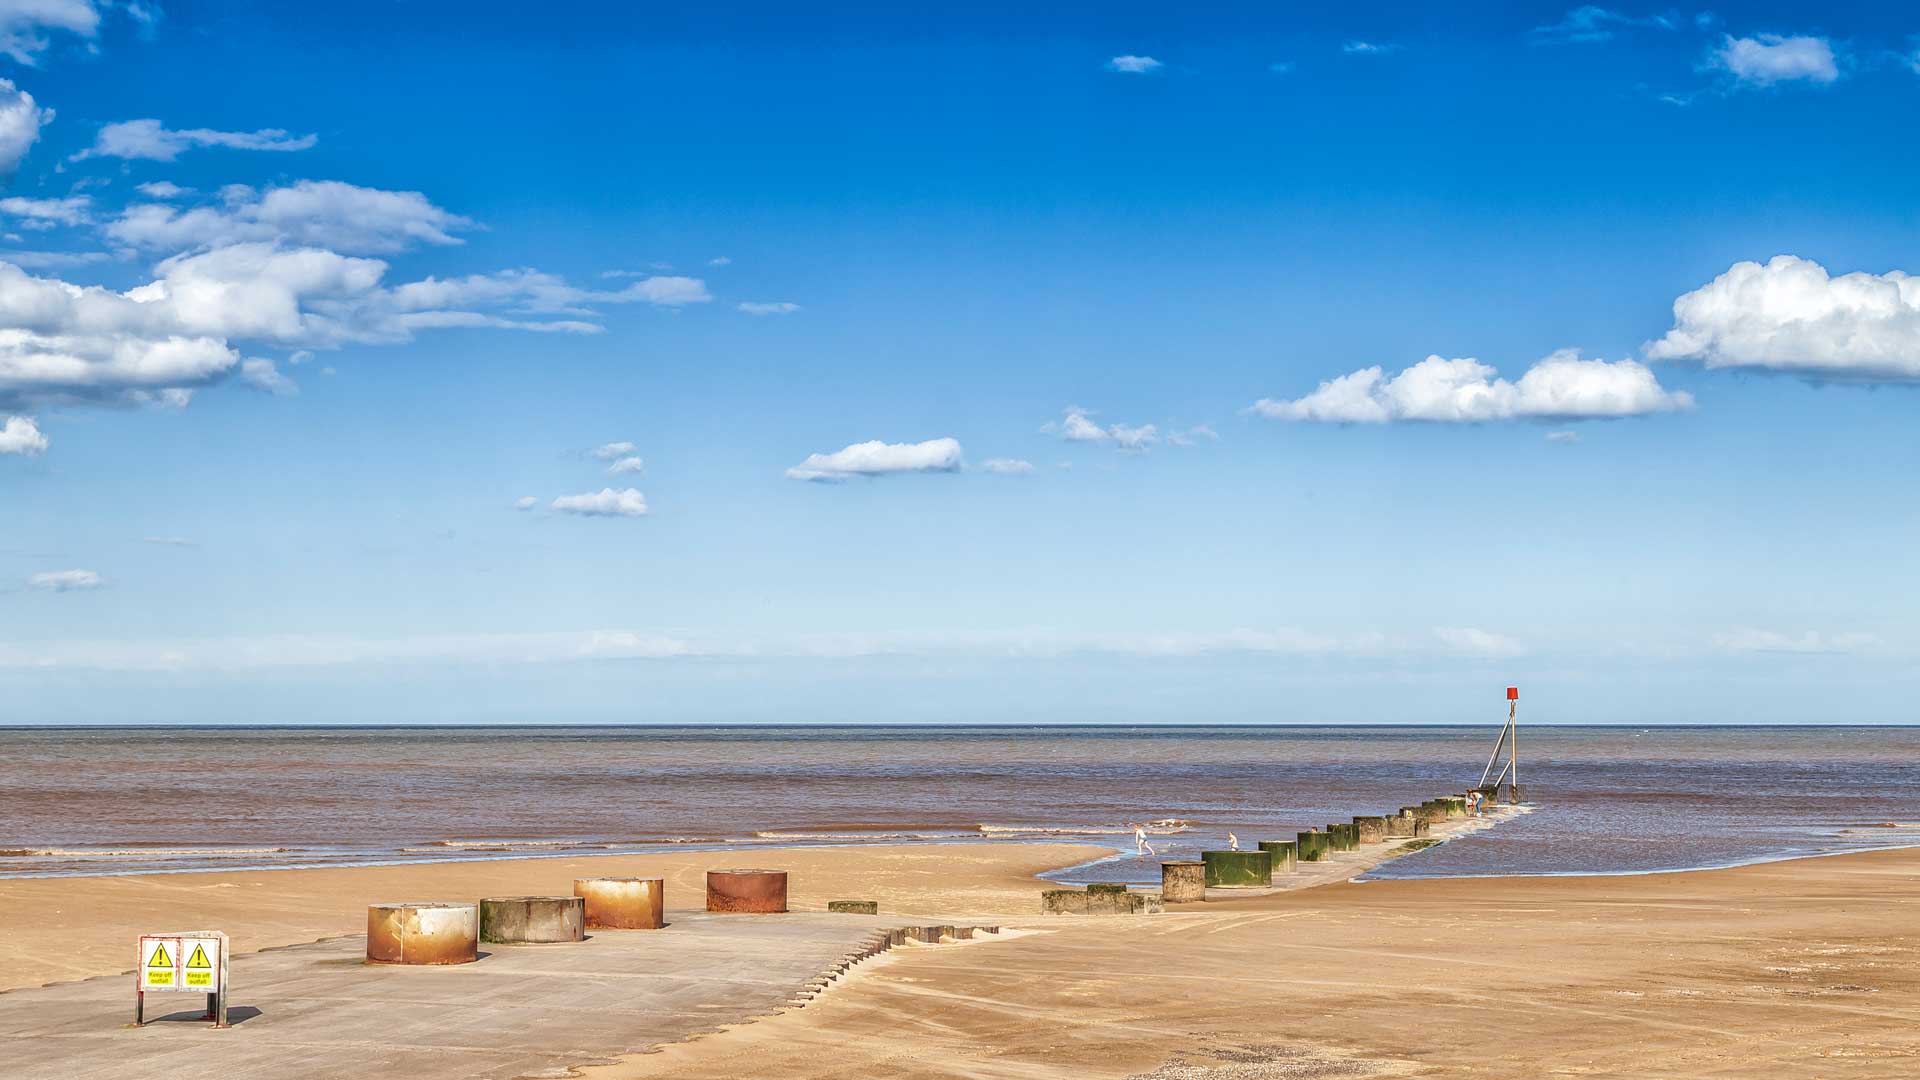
<point x="614" y="903"/>
<point x="423" y="933"/>
<point x="759" y="892"/>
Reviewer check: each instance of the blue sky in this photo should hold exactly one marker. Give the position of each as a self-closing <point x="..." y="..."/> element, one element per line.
<point x="980" y="364"/>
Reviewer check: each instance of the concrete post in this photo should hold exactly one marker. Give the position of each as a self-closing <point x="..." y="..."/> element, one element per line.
<point x="1285" y="855"/>
<point x="1183" y="882"/>
<point x="854" y="907"/>
<point x="623" y="903"/>
<point x="1312" y="845"/>
<point x="528" y="920"/>
<point x="1238" y="869"/>
<point x="423" y="933"/>
<point x="754" y="892"/>
<point x="1370" y="829"/>
<point x="1063" y="902"/>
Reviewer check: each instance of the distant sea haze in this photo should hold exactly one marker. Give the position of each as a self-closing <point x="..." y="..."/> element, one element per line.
<point x="1609" y="799"/>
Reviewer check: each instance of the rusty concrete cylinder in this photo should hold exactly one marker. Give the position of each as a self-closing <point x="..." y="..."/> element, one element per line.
<point x="614" y="903"/>
<point x="1183" y="882"/>
<point x="1370" y="829"/>
<point x="755" y="892"/>
<point x="532" y="920"/>
<point x="423" y="933"/>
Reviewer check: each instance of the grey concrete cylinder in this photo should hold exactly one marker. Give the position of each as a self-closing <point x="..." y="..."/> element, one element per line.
<point x="1238" y="869"/>
<point x="1341" y="837"/>
<point x="533" y="920"/>
<point x="1371" y="829"/>
<point x="1401" y="824"/>
<point x="1285" y="855"/>
<point x="1063" y="902"/>
<point x="854" y="907"/>
<point x="1183" y="882"/>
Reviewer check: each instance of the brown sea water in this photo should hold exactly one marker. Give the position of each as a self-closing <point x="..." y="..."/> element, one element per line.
<point x="1607" y="799"/>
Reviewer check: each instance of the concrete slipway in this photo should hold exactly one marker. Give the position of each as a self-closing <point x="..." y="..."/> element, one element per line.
<point x="522" y="1010"/>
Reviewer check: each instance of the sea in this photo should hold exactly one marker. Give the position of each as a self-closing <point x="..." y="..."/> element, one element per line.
<point x="1601" y="800"/>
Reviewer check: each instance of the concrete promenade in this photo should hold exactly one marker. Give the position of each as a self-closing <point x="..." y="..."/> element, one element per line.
<point x="523" y="1010"/>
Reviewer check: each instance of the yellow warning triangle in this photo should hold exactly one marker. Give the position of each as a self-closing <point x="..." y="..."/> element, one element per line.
<point x="199" y="957"/>
<point x="160" y="957"/>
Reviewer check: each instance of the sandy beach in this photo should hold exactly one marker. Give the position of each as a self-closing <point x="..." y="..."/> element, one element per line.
<point x="1803" y="968"/>
<point x="1799" y="968"/>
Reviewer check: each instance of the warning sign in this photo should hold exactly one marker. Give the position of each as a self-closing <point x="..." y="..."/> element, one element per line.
<point x="159" y="963"/>
<point x="199" y="973"/>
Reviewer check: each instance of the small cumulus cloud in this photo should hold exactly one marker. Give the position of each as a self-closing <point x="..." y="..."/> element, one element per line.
<point x="603" y="503"/>
<point x="525" y="502"/>
<point x="1771" y="59"/>
<point x="1790" y="315"/>
<point x="1563" y="438"/>
<point x="1438" y="390"/>
<point x="162" y="189"/>
<point x="262" y="375"/>
<point x="782" y="307"/>
<point x="20" y="124"/>
<point x="1369" y="48"/>
<point x="48" y="213"/>
<point x="1134" y="65"/>
<point x="21" y="435"/>
<point x="876" y="458"/>
<point x="1076" y="425"/>
<point x="612" y="450"/>
<point x="1008" y="466"/>
<point x="65" y="581"/>
<point x="627" y="466"/>
<point x="719" y="260"/>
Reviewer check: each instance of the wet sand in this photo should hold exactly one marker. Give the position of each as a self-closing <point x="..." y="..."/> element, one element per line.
<point x="1809" y="968"/>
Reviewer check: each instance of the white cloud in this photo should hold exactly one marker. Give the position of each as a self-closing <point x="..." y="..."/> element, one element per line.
<point x="36" y="260"/>
<point x="603" y="503"/>
<point x="878" y="458"/>
<point x="1134" y="65"/>
<point x="1790" y="315"/>
<point x="1076" y="426"/>
<point x="262" y="375"/>
<point x="148" y="140"/>
<point x="1769" y="59"/>
<point x="626" y="466"/>
<point x="1560" y="387"/>
<point x="1749" y="640"/>
<point x="525" y="502"/>
<point x="323" y="213"/>
<point x="720" y="260"/>
<point x="1564" y="438"/>
<point x="1008" y="466"/>
<point x="1468" y="641"/>
<point x="612" y="450"/>
<point x="61" y="342"/>
<point x="534" y="292"/>
<point x="162" y="189"/>
<point x="47" y="213"/>
<point x="781" y="308"/>
<point x="1369" y="48"/>
<point x="65" y="580"/>
<point x="20" y="435"/>
<point x="20" y="124"/>
<point x="1588" y="24"/>
<point x="23" y="25"/>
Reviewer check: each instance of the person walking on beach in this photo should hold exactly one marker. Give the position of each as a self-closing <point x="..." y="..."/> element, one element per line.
<point x="1140" y="845"/>
<point x="1233" y="842"/>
